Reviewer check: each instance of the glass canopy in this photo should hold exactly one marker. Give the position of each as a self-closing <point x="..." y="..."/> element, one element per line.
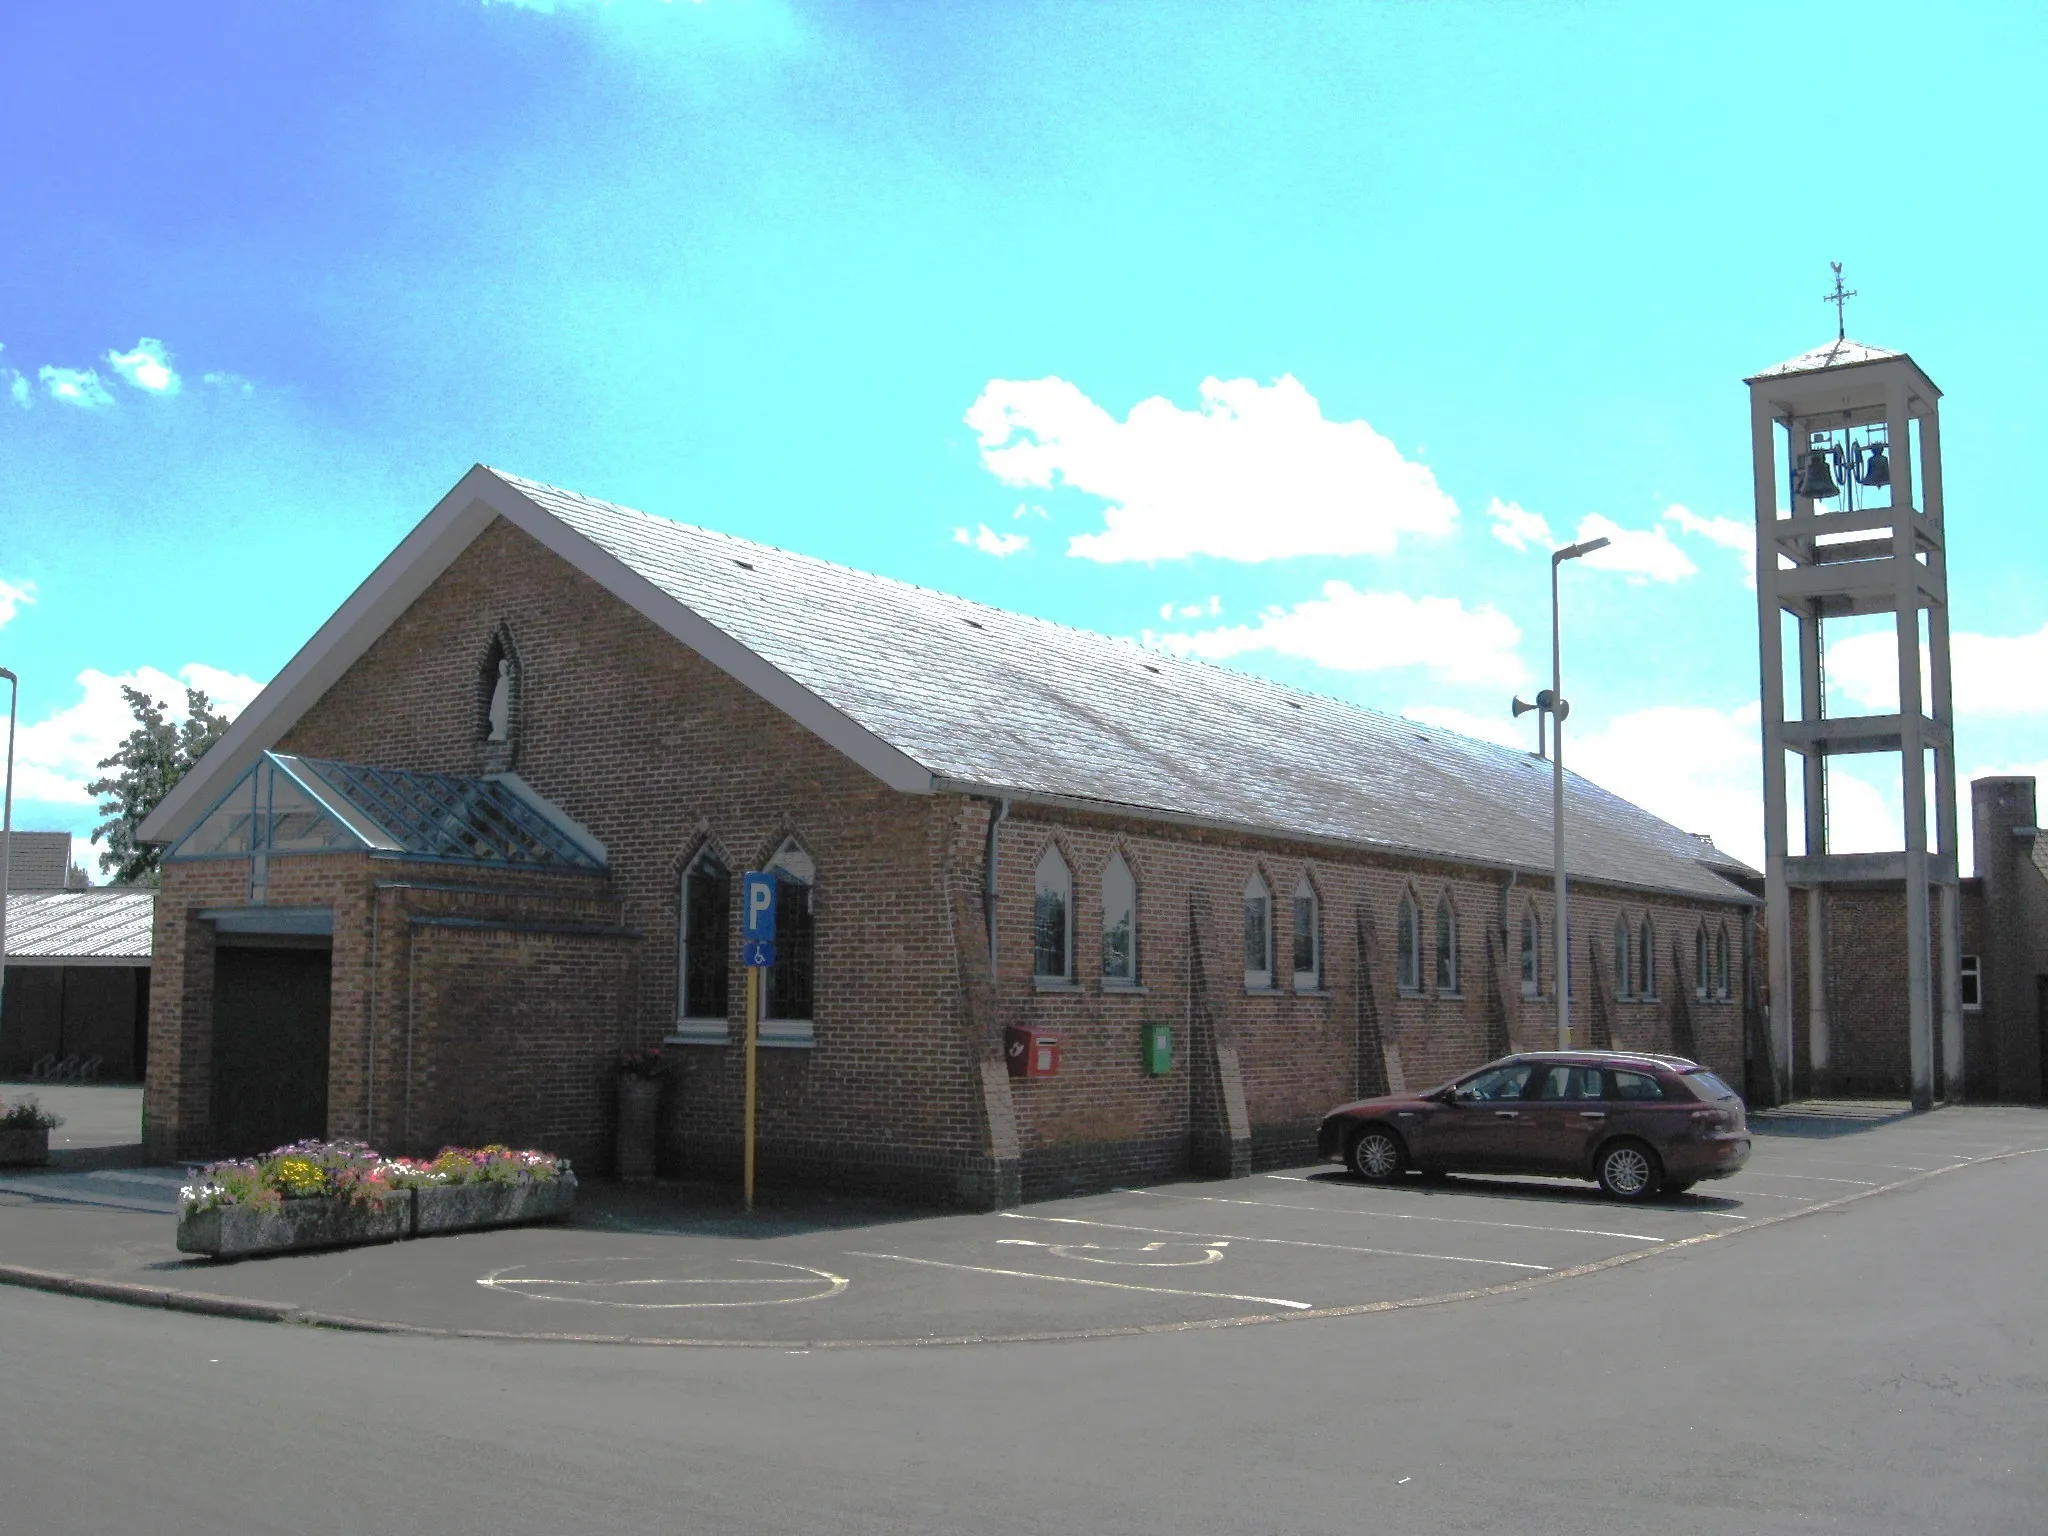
<point x="285" y="804"/>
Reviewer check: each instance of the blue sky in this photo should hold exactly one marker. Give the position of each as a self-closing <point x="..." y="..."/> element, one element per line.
<point x="1269" y="329"/>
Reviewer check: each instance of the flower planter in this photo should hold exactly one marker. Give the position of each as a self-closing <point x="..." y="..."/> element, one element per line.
<point x="235" y="1231"/>
<point x="25" y="1147"/>
<point x="466" y="1207"/>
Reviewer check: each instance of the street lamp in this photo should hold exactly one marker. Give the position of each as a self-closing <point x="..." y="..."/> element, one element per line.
<point x="7" y="826"/>
<point x="1559" y="709"/>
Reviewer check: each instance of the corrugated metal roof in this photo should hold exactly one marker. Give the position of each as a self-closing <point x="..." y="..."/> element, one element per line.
<point x="996" y="701"/>
<point x="100" y="924"/>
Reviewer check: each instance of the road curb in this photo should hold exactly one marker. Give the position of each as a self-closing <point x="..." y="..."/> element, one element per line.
<point x="206" y="1304"/>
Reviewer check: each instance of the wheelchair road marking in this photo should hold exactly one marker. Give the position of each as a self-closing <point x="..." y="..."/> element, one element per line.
<point x="1284" y="1242"/>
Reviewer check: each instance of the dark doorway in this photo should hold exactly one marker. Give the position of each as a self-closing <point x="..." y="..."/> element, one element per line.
<point x="269" y="1047"/>
<point x="2041" y="1043"/>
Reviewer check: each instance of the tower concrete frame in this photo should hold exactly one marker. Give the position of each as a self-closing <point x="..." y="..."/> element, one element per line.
<point x="1850" y="523"/>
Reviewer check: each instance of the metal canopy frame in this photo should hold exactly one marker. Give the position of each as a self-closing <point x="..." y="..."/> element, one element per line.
<point x="285" y="805"/>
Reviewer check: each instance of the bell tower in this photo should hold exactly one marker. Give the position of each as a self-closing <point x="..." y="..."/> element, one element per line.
<point x="1846" y="443"/>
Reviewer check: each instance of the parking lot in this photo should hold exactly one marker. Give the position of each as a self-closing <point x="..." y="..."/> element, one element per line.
<point x="679" y="1265"/>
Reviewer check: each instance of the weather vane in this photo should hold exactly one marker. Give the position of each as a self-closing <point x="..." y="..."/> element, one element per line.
<point x="1839" y="298"/>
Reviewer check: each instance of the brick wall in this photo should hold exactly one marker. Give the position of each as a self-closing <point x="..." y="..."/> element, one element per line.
<point x="514" y="994"/>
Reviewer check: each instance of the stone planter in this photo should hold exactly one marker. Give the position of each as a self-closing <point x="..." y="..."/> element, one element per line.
<point x="639" y="1104"/>
<point x="25" y="1147"/>
<point x="235" y="1231"/>
<point x="467" y="1207"/>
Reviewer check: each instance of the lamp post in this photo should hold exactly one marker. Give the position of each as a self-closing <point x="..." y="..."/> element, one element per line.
<point x="7" y="827"/>
<point x="1559" y="709"/>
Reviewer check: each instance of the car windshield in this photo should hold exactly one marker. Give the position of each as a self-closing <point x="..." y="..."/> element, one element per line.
<point x="1495" y="1083"/>
<point x="1707" y="1086"/>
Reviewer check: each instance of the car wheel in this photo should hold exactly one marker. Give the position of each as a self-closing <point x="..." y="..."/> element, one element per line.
<point x="1377" y="1154"/>
<point x="1628" y="1171"/>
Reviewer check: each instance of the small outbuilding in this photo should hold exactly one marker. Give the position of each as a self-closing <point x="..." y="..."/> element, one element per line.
<point x="77" y="988"/>
<point x="1056" y="911"/>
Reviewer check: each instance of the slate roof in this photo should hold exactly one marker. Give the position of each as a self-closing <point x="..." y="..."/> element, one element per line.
<point x="100" y="924"/>
<point x="38" y="861"/>
<point x="992" y="701"/>
<point x="1843" y="353"/>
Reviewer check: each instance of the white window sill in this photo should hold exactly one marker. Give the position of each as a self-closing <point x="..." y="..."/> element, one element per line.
<point x="1125" y="989"/>
<point x="1451" y="997"/>
<point x="1301" y="991"/>
<point x="1252" y="990"/>
<point x="700" y="1032"/>
<point x="1053" y="984"/>
<point x="1415" y="992"/>
<point x="785" y="1034"/>
<point x="1531" y="995"/>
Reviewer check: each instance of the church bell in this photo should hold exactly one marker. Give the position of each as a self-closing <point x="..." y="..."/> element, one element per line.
<point x="1815" y="482"/>
<point x="1876" y="469"/>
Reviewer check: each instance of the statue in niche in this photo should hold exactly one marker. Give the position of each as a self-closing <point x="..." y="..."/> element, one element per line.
<point x="500" y="715"/>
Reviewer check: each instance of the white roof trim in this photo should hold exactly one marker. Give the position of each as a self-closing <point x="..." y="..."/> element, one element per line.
<point x="407" y="572"/>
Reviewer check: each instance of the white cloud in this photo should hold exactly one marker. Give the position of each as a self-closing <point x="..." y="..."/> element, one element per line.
<point x="1992" y="675"/>
<point x="989" y="542"/>
<point x="1697" y="767"/>
<point x="233" y="383"/>
<point x="75" y="386"/>
<point x="1255" y="472"/>
<point x="147" y="368"/>
<point x="17" y="386"/>
<point x="60" y="754"/>
<point x="1728" y="532"/>
<point x="1638" y="553"/>
<point x="1352" y="631"/>
<point x="14" y="597"/>
<point x="1519" y="528"/>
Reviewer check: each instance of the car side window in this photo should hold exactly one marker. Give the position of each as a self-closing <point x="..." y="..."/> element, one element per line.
<point x="1569" y="1083"/>
<point x="1493" y="1084"/>
<point x="1634" y="1085"/>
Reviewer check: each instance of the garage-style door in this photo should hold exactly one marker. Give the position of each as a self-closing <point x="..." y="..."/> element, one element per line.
<point x="269" y="1047"/>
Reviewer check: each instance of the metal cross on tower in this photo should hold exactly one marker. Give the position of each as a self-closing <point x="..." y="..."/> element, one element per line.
<point x="1840" y="299"/>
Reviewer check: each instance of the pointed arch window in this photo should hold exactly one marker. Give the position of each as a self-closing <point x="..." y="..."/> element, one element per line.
<point x="1119" y="924"/>
<point x="1258" y="934"/>
<point x="1408" y="946"/>
<point x="706" y="947"/>
<point x="1447" y="967"/>
<point x="1702" y="963"/>
<point x="1721" y="988"/>
<point x="1052" y="919"/>
<point x="1622" y="956"/>
<point x="789" y="989"/>
<point x="1308" y="937"/>
<point x="1532" y="953"/>
<point x="1646" y="962"/>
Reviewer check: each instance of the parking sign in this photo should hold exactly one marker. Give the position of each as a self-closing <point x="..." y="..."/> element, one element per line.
<point x="757" y="904"/>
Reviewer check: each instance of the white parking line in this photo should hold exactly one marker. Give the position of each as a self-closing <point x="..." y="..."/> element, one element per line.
<point x="1285" y="1242"/>
<point x="1462" y="1221"/>
<point x="1763" y="1194"/>
<point x="1819" y="1178"/>
<point x="1110" y="1285"/>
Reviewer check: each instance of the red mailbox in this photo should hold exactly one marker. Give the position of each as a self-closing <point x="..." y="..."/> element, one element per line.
<point x="1031" y="1052"/>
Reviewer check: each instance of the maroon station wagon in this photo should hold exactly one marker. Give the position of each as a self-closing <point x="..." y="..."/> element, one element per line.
<point x="1634" y="1122"/>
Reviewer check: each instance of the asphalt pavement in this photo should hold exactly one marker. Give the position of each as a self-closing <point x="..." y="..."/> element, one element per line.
<point x="682" y="1265"/>
<point x="1874" y="1364"/>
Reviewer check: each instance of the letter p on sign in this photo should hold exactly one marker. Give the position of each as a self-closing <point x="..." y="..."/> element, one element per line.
<point x="758" y="906"/>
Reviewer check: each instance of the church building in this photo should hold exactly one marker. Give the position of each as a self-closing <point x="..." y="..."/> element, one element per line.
<point x="1056" y="911"/>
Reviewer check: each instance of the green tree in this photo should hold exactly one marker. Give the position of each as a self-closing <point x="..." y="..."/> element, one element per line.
<point x="148" y="765"/>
